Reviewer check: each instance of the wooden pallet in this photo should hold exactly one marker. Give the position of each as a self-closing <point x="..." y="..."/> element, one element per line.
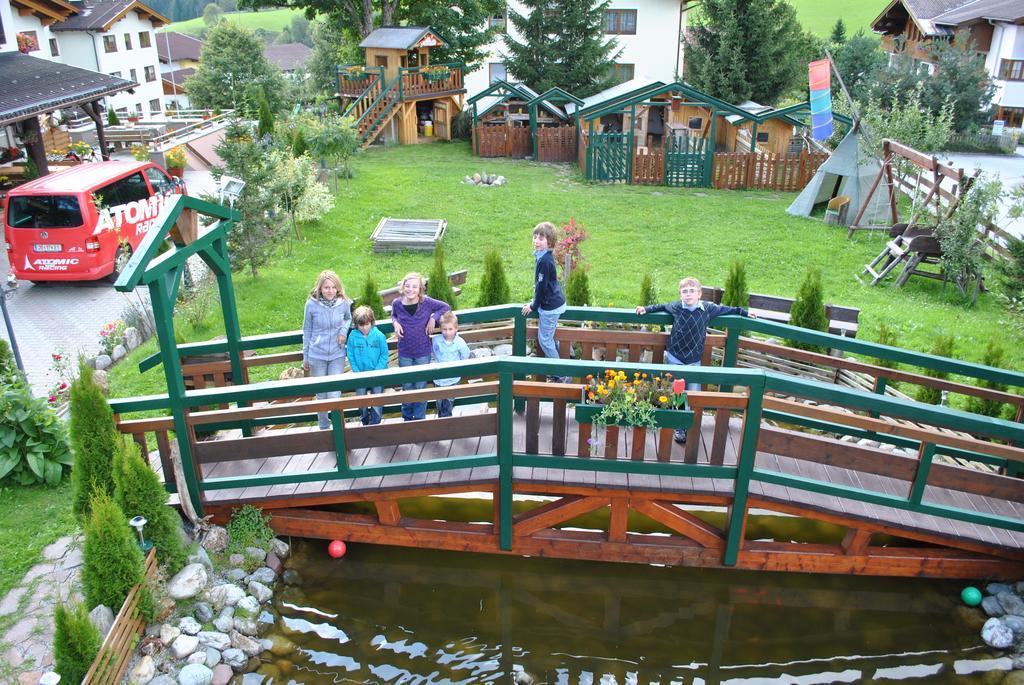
<point x="392" y="235"/>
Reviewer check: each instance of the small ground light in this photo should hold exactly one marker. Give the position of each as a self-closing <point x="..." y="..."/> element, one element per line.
<point x="49" y="678"/>
<point x="138" y="522"/>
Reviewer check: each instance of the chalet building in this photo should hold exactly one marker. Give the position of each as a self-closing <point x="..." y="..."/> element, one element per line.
<point x="179" y="57"/>
<point x="27" y="25"/>
<point x="288" y="57"/>
<point x="996" y="28"/>
<point x="647" y="31"/>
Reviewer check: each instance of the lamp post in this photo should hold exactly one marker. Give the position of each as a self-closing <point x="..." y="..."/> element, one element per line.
<point x="138" y="522"/>
<point x="4" y="290"/>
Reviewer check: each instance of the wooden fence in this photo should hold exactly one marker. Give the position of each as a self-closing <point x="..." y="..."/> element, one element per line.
<point x="117" y="647"/>
<point x="775" y="171"/>
<point x="556" y="144"/>
<point x="649" y="167"/>
<point x="581" y="151"/>
<point x="502" y="141"/>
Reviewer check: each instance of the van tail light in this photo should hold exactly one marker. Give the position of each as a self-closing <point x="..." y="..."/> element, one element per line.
<point x="92" y="245"/>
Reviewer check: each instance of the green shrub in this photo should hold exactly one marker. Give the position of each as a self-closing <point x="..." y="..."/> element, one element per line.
<point x="112" y="119"/>
<point x="994" y="354"/>
<point x="138" y="492"/>
<point x="494" y="288"/>
<point x="647" y="294"/>
<point x="372" y="299"/>
<point x="265" y="125"/>
<point x="249" y="527"/>
<point x="93" y="438"/>
<point x="299" y="144"/>
<point x="9" y="373"/>
<point x="577" y="290"/>
<point x="1011" y="271"/>
<point x="76" y="641"/>
<point x="942" y="347"/>
<point x="111" y="560"/>
<point x="887" y="336"/>
<point x="438" y="287"/>
<point x="736" y="293"/>
<point x="808" y="310"/>
<point x="33" y="441"/>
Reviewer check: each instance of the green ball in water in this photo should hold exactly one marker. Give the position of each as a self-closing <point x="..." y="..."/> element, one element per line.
<point x="971" y="596"/>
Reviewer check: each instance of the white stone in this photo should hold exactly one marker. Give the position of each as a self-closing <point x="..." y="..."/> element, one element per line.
<point x="103" y="361"/>
<point x="118" y="353"/>
<point x="188" y="582"/>
<point x="189" y="625"/>
<point x="132" y="339"/>
<point x="212" y="657"/>
<point x="201" y="556"/>
<point x="216" y="539"/>
<point x="996" y="634"/>
<point x="224" y="595"/>
<point x="280" y="548"/>
<point x="142" y="672"/>
<point x="216" y="640"/>
<point x="478" y="352"/>
<point x="184" y="645"/>
<point x="257" y="553"/>
<point x="103" y="618"/>
<point x="249" y="646"/>
<point x="226" y="620"/>
<point x="260" y="592"/>
<point x="246" y="625"/>
<point x="195" y="674"/>
<point x="263" y="575"/>
<point x="235" y="658"/>
<point x="168" y="634"/>
<point x="247" y="605"/>
<point x="503" y="350"/>
<point x="198" y="657"/>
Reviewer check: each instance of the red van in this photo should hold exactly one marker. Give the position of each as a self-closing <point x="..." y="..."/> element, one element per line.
<point x="83" y="223"/>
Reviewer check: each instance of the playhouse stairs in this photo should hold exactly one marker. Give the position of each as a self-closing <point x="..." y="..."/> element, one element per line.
<point x="378" y="114"/>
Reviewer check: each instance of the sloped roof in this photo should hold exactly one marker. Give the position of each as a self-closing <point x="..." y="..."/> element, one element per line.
<point x="178" y="76"/>
<point x="100" y="16"/>
<point x="29" y="85"/>
<point x="921" y="12"/>
<point x="613" y="92"/>
<point x="400" y="38"/>
<point x="47" y="11"/>
<point x="287" y="56"/>
<point x="173" y="46"/>
<point x="996" y="10"/>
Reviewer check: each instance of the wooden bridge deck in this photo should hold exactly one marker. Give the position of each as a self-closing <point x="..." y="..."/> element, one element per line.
<point x="894" y="521"/>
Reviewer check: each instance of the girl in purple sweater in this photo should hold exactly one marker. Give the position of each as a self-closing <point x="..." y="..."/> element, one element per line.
<point x="414" y="316"/>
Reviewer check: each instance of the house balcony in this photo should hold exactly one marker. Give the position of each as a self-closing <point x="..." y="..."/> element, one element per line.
<point x="1011" y="70"/>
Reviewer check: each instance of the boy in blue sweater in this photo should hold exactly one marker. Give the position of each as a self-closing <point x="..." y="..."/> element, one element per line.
<point x="548" y="298"/>
<point x="367" y="351"/>
<point x="690" y="317"/>
<point x="448" y="347"/>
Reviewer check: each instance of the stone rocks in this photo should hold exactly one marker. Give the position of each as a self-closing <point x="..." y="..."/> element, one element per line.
<point x="996" y="634"/>
<point x="991" y="606"/>
<point x="212" y="657"/>
<point x="280" y="646"/>
<point x="478" y="352"/>
<point x="168" y="634"/>
<point x="132" y="339"/>
<point x="195" y="674"/>
<point x="189" y="626"/>
<point x="221" y="674"/>
<point x="143" y="671"/>
<point x="215" y="640"/>
<point x="235" y="575"/>
<point x="200" y="556"/>
<point x="291" y="577"/>
<point x="263" y="575"/>
<point x="236" y="559"/>
<point x="226" y="620"/>
<point x="225" y="595"/>
<point x="100" y="378"/>
<point x="188" y="582"/>
<point x="1014" y="623"/>
<point x="203" y="612"/>
<point x="216" y="539"/>
<point x="235" y="658"/>
<point x="118" y="353"/>
<point x="103" y="362"/>
<point x="184" y="645"/>
<point x="280" y="548"/>
<point x="246" y="644"/>
<point x="260" y="592"/>
<point x="1011" y="603"/>
<point x="256" y="553"/>
<point x="503" y="350"/>
<point x="484" y="179"/>
<point x="197" y="657"/>
<point x="274" y="564"/>
<point x="246" y="625"/>
<point x="103" y="618"/>
<point x="247" y="606"/>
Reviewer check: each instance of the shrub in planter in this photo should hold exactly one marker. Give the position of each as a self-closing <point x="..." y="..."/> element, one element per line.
<point x="372" y="299"/>
<point x="808" y="310"/>
<point x="140" y="152"/>
<point x="887" y="336"/>
<point x="993" y="356"/>
<point x="175" y="157"/>
<point x="112" y="562"/>
<point x="138" y="492"/>
<point x="736" y="293"/>
<point x="494" y="288"/>
<point x="93" y="440"/>
<point x="577" y="290"/>
<point x="942" y="347"/>
<point x="647" y="294"/>
<point x="76" y="642"/>
<point x="33" y="441"/>
<point x="439" y="287"/>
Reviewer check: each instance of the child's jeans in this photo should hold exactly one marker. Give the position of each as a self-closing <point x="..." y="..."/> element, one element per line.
<point x="324" y="367"/>
<point x="414" y="411"/>
<point x="670" y="359"/>
<point x="370" y="416"/>
<point x="444" y="407"/>
<point x="547" y="322"/>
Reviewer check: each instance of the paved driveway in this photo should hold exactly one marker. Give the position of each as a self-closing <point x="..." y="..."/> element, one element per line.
<point x="1009" y="169"/>
<point x="68" y="316"/>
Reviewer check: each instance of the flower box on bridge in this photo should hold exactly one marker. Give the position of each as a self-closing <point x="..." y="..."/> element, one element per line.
<point x="676" y="419"/>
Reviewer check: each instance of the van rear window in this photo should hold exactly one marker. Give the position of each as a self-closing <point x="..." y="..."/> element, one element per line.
<point x="43" y="211"/>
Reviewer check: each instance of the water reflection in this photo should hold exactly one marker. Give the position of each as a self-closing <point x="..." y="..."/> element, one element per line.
<point x="418" y="617"/>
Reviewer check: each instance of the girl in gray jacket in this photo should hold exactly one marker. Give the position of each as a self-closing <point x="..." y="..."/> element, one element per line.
<point x="325" y="326"/>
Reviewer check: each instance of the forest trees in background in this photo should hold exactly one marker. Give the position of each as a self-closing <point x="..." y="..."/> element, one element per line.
<point x="233" y="73"/>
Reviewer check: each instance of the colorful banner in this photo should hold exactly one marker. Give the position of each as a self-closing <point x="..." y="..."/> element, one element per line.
<point x="820" y="81"/>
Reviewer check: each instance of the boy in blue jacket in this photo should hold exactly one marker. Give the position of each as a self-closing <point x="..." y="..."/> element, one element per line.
<point x="367" y="351"/>
<point x="548" y="297"/>
<point x="448" y="346"/>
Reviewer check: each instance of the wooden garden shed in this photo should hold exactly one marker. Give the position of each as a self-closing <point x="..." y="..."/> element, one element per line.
<point x="512" y="120"/>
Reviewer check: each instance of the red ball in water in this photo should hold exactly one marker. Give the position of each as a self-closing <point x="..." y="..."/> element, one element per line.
<point x="336" y="549"/>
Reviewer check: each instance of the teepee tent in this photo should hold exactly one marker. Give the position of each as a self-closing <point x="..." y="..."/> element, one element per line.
<point x="850" y="170"/>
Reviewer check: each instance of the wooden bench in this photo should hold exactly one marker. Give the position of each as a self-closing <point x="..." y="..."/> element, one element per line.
<point x="841" y="320"/>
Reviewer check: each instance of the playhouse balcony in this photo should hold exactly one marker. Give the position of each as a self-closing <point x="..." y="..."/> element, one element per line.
<point x="431" y="80"/>
<point x="356" y="79"/>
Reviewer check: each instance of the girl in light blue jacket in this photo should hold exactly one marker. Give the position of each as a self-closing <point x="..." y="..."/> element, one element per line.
<point x="325" y="326"/>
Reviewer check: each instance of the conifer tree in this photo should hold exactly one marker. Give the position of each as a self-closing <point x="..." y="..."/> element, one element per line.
<point x="76" y="642"/>
<point x="942" y="347"/>
<point x="111" y="558"/>
<point x="838" y="36"/>
<point x="137" y="490"/>
<point x="563" y="44"/>
<point x="736" y="293"/>
<point x="439" y="287"/>
<point x="299" y="144"/>
<point x="494" y="288"/>
<point x="647" y="294"/>
<point x="266" y="119"/>
<point x="372" y="299"/>
<point x="887" y="335"/>
<point x="808" y="310"/>
<point x="93" y="439"/>
<point x="577" y="290"/>
<point x="112" y="119"/>
<point x="993" y="356"/>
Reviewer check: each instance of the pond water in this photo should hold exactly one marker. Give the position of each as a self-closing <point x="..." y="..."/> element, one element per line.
<point x="418" y="617"/>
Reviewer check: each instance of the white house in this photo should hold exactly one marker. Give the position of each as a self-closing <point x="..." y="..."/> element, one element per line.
<point x="117" y="37"/>
<point x="33" y="19"/>
<point x="649" y="33"/>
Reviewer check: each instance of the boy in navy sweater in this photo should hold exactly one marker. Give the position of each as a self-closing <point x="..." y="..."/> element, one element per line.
<point x="548" y="298"/>
<point x="690" y="317"/>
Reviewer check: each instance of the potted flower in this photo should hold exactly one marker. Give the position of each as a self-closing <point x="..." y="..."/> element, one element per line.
<point x="133" y="119"/>
<point x="81" y="149"/>
<point x="140" y="152"/>
<point x="353" y="73"/>
<point x="436" y="72"/>
<point x="175" y="160"/>
<point x="27" y="43"/>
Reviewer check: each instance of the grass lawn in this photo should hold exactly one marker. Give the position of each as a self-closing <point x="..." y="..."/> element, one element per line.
<point x="30" y="519"/>
<point x="268" y="20"/>
<point x="634" y="229"/>
<point x="819" y="17"/>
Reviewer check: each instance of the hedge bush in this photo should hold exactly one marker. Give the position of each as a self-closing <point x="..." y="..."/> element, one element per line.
<point x="577" y="290"/>
<point x="736" y="293"/>
<point x="76" y="641"/>
<point x="138" y="492"/>
<point x="808" y="310"/>
<point x="93" y="440"/>
<point x="942" y="347"/>
<point x="33" y="440"/>
<point x="112" y="562"/>
<point x="494" y="288"/>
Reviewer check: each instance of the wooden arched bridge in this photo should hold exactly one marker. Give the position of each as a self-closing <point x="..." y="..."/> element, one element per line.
<point x="891" y="486"/>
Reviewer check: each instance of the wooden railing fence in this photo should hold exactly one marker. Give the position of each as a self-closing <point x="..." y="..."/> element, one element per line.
<point x="491" y="140"/>
<point x="117" y="647"/>
<point x="556" y="143"/>
<point x="775" y="171"/>
<point x="649" y="167"/>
